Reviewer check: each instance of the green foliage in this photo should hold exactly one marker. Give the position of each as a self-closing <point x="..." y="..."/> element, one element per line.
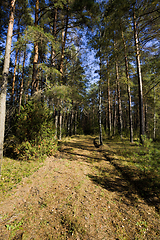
<point x="33" y="136"/>
<point x="29" y="122"/>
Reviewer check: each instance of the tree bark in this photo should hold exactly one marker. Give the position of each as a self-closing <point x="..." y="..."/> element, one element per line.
<point x="60" y="124"/>
<point x="100" y="117"/>
<point x="14" y="76"/>
<point x="115" y="113"/>
<point x="22" y="80"/>
<point x="139" y="74"/>
<point x="154" y="117"/>
<point x="3" y="89"/>
<point x="64" y="37"/>
<point x="53" y="52"/>
<point x="109" y="107"/>
<point x="75" y="122"/>
<point x="128" y="88"/>
<point x="119" y="102"/>
<point x="56" y="123"/>
<point x="35" y="60"/>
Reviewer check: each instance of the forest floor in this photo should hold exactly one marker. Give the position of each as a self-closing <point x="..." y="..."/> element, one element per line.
<point x="83" y="192"/>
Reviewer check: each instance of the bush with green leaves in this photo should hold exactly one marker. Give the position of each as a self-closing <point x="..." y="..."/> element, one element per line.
<point x="33" y="134"/>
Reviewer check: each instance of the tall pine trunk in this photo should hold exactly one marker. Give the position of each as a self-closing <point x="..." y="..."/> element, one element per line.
<point x="115" y="113"/>
<point x="139" y="74"/>
<point x="119" y="102"/>
<point x="14" y="76"/>
<point x="22" y="81"/>
<point x="54" y="32"/>
<point x="109" y="108"/>
<point x="154" y="117"/>
<point x="3" y="87"/>
<point x="35" y="60"/>
<point x="128" y="88"/>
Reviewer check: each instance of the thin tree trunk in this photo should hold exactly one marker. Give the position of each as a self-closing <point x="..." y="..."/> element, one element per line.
<point x="109" y="108"/>
<point x="100" y="117"/>
<point x="17" y="82"/>
<point x="128" y="88"/>
<point x="27" y="90"/>
<point x="64" y="37"/>
<point x="68" y="124"/>
<point x="146" y="122"/>
<point x="56" y="123"/>
<point x="60" y="125"/>
<point x="14" y="76"/>
<point x="15" y="66"/>
<point x="115" y="113"/>
<point x="139" y="74"/>
<point x="75" y="123"/>
<point x="154" y="117"/>
<point x="3" y="87"/>
<point x="100" y="102"/>
<point x="35" y="60"/>
<point x="119" y="102"/>
<point x="53" y="52"/>
<point x="21" y="87"/>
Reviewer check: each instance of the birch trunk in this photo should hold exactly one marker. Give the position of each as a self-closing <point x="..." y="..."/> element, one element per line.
<point x="3" y="87"/>
<point x="60" y="125"/>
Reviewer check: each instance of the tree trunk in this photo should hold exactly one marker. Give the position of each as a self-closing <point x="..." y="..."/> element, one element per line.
<point x="109" y="108"/>
<point x="21" y="87"/>
<point x="100" y="117"/>
<point x="139" y="74"/>
<point x="35" y="60"/>
<point x="115" y="113"/>
<point x="146" y="120"/>
<point x="56" y="123"/>
<point x="64" y="37"/>
<point x="60" y="125"/>
<point x="3" y="89"/>
<point x="119" y="102"/>
<point x="75" y="122"/>
<point x="53" y="52"/>
<point x="128" y="89"/>
<point x="17" y="82"/>
<point x="154" y="117"/>
<point x="100" y="102"/>
<point x="14" y="76"/>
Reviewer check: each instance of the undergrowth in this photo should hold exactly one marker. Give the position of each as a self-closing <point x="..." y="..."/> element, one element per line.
<point x="33" y="134"/>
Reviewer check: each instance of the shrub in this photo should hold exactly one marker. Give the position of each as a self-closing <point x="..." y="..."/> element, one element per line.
<point x="33" y="134"/>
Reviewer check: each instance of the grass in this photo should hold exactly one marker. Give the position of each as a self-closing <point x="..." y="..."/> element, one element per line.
<point x="13" y="172"/>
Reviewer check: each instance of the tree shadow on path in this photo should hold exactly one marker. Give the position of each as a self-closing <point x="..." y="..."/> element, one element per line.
<point x="131" y="182"/>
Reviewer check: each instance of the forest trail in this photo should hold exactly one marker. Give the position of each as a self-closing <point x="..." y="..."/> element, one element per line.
<point x="80" y="193"/>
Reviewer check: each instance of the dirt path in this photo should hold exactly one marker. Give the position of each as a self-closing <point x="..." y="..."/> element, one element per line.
<point x="77" y="194"/>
